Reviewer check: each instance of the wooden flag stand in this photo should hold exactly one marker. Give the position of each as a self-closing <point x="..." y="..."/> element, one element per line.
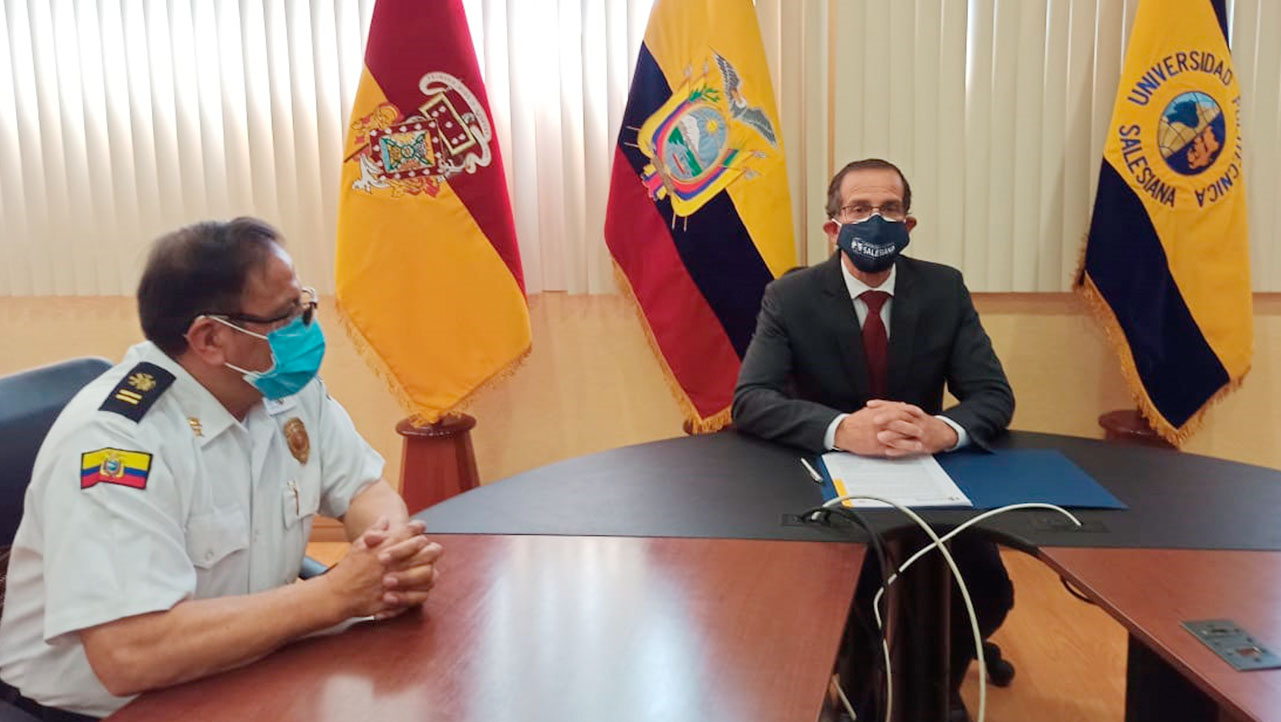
<point x="1129" y="427"/>
<point x="438" y="460"/>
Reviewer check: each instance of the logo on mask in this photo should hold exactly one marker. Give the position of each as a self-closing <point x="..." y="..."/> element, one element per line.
<point x="873" y="244"/>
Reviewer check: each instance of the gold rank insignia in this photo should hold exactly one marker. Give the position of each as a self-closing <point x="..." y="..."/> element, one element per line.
<point x="137" y="391"/>
<point x="195" y="426"/>
<point x="142" y="381"/>
<point x="299" y="443"/>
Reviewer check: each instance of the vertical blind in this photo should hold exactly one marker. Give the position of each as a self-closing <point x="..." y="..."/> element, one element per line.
<point x="122" y="119"/>
<point x="997" y="111"/>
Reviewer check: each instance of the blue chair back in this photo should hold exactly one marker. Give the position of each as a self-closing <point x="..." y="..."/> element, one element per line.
<point x="29" y="402"/>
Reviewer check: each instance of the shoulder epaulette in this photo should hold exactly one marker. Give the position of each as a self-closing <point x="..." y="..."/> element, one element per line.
<point x="137" y="391"/>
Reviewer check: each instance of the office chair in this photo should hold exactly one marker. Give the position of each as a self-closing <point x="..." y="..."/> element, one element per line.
<point x="999" y="670"/>
<point x="9" y="713"/>
<point x="29" y="402"/>
<point x="311" y="568"/>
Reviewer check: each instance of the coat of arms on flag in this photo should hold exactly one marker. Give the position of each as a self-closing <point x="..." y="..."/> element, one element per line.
<point x="703" y="138"/>
<point x="449" y="134"/>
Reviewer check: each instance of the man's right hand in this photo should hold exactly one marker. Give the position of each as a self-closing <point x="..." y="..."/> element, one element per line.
<point x="410" y="569"/>
<point x="879" y="431"/>
<point x="355" y="583"/>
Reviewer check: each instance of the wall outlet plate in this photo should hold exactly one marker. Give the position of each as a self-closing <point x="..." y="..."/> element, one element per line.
<point x="1233" y="644"/>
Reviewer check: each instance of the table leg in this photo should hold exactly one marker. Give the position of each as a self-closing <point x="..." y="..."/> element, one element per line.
<point x="1157" y="692"/>
<point x="920" y="604"/>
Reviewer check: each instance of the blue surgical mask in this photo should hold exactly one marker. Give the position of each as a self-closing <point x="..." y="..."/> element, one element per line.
<point x="296" y="352"/>
<point x="873" y="244"/>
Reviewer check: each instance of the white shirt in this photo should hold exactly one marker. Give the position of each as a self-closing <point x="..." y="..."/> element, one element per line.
<point x="856" y="288"/>
<point x="226" y="509"/>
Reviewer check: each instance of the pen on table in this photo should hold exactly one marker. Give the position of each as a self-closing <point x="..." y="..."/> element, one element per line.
<point x="813" y="474"/>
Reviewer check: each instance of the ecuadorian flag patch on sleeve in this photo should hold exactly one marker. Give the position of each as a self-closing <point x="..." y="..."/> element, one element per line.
<point x="115" y="466"/>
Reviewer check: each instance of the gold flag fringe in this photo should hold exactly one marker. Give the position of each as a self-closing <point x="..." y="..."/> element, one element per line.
<point x="422" y="416"/>
<point x="1176" y="435"/>
<point x="697" y="424"/>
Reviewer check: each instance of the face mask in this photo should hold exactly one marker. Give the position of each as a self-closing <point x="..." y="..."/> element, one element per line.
<point x="873" y="244"/>
<point x="296" y="352"/>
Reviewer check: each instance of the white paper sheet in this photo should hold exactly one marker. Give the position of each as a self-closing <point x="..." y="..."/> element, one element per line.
<point x="913" y="481"/>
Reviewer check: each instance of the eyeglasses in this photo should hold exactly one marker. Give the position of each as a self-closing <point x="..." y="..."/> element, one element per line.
<point x="856" y="212"/>
<point x="305" y="307"/>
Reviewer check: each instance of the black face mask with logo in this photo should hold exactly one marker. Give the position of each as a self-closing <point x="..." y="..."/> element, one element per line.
<point x="873" y="244"/>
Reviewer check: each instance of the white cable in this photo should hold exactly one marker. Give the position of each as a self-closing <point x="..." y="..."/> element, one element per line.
<point x="978" y="651"/>
<point x="849" y="708"/>
<point x="924" y="550"/>
<point x="960" y="583"/>
<point x="948" y="537"/>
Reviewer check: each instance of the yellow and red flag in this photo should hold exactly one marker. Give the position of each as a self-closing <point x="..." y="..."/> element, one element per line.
<point x="700" y="217"/>
<point x="428" y="273"/>
<point x="1167" y="260"/>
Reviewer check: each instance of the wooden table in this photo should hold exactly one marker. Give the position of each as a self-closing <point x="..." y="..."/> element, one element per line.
<point x="567" y="628"/>
<point x="1151" y="591"/>
<point x="648" y="609"/>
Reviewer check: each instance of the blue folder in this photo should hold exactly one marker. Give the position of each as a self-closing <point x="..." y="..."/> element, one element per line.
<point x="1016" y="476"/>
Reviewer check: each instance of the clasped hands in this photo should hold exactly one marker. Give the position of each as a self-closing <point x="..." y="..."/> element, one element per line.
<point x="388" y="569"/>
<point x="893" y="429"/>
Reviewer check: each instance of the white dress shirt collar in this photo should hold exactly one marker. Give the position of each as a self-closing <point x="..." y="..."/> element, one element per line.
<point x="857" y="287"/>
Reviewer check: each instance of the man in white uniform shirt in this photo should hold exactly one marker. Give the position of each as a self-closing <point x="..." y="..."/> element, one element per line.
<point x="171" y="502"/>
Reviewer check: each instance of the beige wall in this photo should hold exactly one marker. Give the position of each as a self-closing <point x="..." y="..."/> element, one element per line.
<point x="592" y="384"/>
<point x="1064" y="375"/>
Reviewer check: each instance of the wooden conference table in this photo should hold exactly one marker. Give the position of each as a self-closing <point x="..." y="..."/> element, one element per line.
<point x="672" y="581"/>
<point x="567" y="628"/>
<point x="1171" y="675"/>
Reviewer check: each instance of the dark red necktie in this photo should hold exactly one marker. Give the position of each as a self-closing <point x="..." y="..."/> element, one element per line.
<point x="875" y="342"/>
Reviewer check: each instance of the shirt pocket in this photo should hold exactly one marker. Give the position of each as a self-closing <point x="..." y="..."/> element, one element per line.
<point x="301" y="500"/>
<point x="213" y="536"/>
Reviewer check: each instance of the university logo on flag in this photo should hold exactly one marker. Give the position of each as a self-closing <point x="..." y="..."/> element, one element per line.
<point x="699" y="218"/>
<point x="1166" y="264"/>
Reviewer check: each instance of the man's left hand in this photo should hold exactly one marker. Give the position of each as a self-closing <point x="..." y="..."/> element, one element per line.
<point x="409" y="560"/>
<point x="933" y="434"/>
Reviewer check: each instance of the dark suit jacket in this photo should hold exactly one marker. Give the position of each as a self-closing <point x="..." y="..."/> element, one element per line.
<point x="805" y="364"/>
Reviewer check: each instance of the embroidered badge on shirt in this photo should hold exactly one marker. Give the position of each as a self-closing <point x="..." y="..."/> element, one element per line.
<point x="296" y="435"/>
<point x="115" y="466"/>
<point x="137" y="391"/>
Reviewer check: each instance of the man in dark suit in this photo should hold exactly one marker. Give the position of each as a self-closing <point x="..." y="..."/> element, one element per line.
<point x="854" y="354"/>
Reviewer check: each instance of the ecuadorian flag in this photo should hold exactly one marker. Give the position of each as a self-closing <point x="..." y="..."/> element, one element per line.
<point x="428" y="272"/>
<point x="1166" y="266"/>
<point x="114" y="466"/>
<point x="699" y="217"/>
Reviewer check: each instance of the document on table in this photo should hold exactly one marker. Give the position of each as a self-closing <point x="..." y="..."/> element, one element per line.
<point x="912" y="482"/>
